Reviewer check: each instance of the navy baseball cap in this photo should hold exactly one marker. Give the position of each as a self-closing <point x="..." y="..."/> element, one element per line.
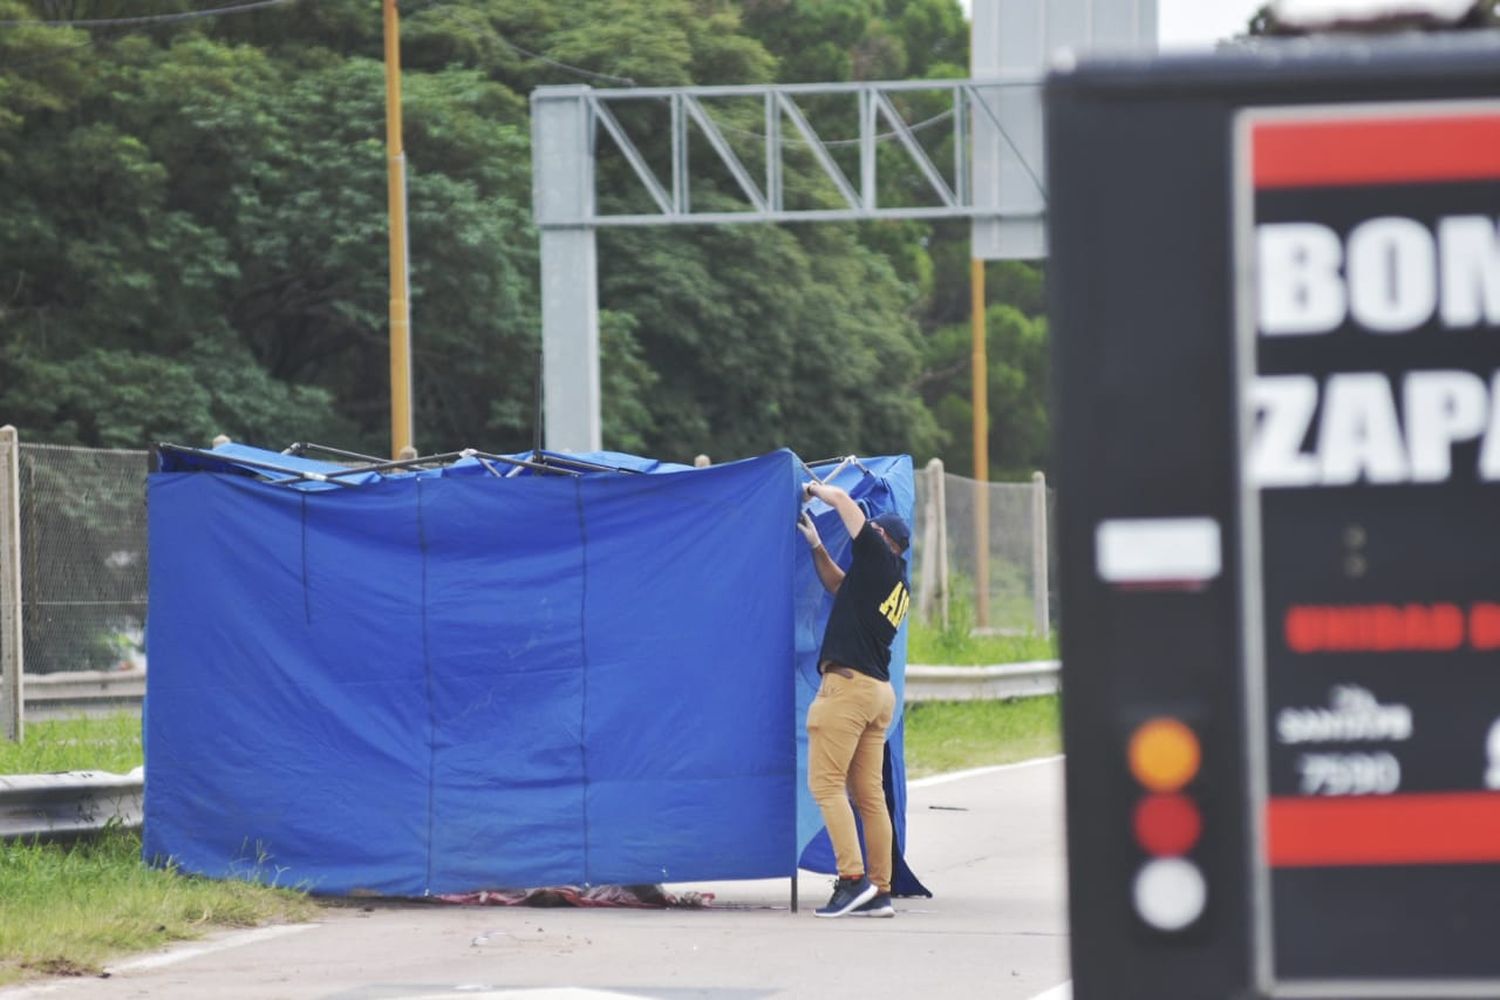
<point x="896" y="528"/>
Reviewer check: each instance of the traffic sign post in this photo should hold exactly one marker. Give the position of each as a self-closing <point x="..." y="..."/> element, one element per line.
<point x="1276" y="323"/>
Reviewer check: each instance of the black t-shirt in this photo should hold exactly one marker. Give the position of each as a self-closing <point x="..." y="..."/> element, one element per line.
<point x="868" y="608"/>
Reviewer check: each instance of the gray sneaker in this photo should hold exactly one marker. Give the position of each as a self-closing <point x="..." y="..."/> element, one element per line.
<point x="879" y="905"/>
<point x="847" y="894"/>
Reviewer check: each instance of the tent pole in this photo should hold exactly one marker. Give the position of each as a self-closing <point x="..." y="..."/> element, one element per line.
<point x="794" y="890"/>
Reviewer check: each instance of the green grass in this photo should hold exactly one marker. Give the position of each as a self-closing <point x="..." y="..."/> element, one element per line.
<point x="955" y="646"/>
<point x="955" y="735"/>
<point x="111" y="743"/>
<point x="68" y="910"/>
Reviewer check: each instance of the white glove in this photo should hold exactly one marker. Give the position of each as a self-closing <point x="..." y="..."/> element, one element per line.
<point x="809" y="530"/>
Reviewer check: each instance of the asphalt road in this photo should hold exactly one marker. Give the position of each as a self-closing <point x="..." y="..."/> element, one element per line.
<point x="988" y="844"/>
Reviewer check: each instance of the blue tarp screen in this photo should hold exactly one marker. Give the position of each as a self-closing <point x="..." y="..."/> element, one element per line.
<point x="442" y="681"/>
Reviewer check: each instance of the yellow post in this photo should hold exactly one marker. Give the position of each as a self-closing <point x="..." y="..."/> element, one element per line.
<point x="401" y="416"/>
<point x="980" y="389"/>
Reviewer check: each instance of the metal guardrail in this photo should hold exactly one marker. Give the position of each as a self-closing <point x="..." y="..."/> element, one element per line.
<point x="78" y="802"/>
<point x="57" y="806"/>
<point x="1008" y="680"/>
<point x="71" y="803"/>
<point x="82" y="692"/>
<point x="50" y="696"/>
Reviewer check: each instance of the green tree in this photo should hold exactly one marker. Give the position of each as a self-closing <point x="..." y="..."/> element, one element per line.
<point x="195" y="235"/>
<point x="819" y="40"/>
<point x="763" y="337"/>
<point x="1017" y="351"/>
<point x="221" y="219"/>
<point x="870" y="39"/>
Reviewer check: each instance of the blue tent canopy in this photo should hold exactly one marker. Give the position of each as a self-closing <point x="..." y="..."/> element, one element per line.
<point x="483" y="674"/>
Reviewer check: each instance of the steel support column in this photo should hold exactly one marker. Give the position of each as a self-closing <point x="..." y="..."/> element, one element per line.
<point x="562" y="153"/>
<point x="570" y="340"/>
<point x="1015" y="38"/>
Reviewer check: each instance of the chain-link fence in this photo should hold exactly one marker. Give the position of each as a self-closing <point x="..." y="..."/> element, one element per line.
<point x="982" y="553"/>
<point x="83" y="558"/>
<point x="82" y="554"/>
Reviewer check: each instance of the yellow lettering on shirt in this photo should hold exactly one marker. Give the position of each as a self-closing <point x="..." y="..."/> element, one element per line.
<point x="895" y="606"/>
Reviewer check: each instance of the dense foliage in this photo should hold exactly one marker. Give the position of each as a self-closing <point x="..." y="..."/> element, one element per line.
<point x="194" y="237"/>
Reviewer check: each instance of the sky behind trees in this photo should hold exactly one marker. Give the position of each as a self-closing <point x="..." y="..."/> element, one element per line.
<point x="1194" y="23"/>
<point x="1199" y="23"/>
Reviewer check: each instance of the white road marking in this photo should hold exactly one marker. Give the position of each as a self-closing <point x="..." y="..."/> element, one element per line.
<point x="233" y="940"/>
<point x="39" y="990"/>
<point x="1063" y="992"/>
<point x="543" y="993"/>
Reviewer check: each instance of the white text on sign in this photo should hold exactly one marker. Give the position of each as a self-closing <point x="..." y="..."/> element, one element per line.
<point x="1390" y="276"/>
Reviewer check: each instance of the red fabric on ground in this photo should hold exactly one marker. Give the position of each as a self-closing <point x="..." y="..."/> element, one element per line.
<point x="634" y="896"/>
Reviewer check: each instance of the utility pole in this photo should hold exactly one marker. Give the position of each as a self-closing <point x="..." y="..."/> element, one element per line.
<point x="401" y="409"/>
<point x="980" y="390"/>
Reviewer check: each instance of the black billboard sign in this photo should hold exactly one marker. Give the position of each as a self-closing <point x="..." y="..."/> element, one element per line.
<point x="1368" y="244"/>
<point x="1274" y="297"/>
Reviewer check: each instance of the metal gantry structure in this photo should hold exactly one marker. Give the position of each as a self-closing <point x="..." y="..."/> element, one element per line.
<point x="572" y="126"/>
<point x="785" y="126"/>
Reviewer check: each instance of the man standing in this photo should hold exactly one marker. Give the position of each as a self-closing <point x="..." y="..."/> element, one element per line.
<point x="847" y="721"/>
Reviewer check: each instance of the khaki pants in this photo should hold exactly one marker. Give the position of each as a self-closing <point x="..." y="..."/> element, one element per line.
<point x="846" y="727"/>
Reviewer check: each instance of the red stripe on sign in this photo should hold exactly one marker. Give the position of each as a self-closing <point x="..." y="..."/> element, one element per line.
<point x="1412" y="829"/>
<point x="1375" y="151"/>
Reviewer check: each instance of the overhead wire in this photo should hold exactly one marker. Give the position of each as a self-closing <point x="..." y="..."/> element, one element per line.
<point x="115" y="22"/>
<point x="1005" y="135"/>
<point x="449" y="9"/>
<point x="91" y="38"/>
<point x="463" y="13"/>
<point x="577" y="70"/>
